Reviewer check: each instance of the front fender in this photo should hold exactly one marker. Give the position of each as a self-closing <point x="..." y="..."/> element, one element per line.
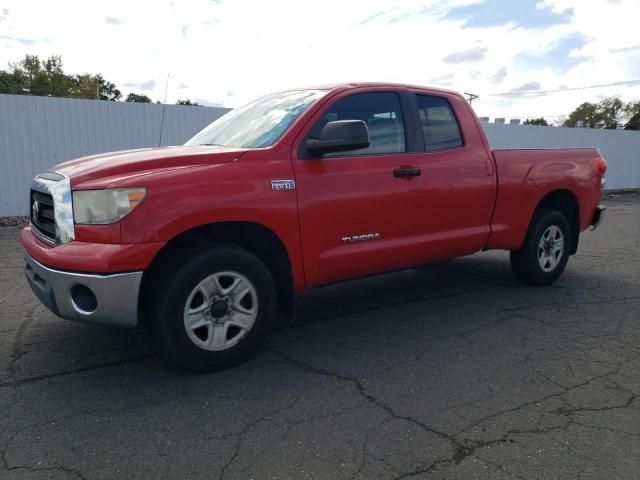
<point x="239" y="191"/>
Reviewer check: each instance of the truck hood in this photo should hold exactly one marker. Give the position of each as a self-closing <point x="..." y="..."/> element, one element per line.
<point x="99" y="171"/>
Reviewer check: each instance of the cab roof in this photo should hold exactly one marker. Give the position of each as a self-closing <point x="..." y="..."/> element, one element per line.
<point x="350" y="85"/>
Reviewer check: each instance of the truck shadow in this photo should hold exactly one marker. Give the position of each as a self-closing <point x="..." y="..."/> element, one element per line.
<point x="434" y="281"/>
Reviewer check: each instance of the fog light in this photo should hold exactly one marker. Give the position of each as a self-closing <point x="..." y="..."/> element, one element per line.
<point x="83" y="299"/>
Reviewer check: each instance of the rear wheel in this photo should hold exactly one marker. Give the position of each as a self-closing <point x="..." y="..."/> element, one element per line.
<point x="211" y="308"/>
<point x="545" y="251"/>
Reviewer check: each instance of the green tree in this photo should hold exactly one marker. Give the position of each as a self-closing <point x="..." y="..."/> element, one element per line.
<point x="107" y="90"/>
<point x="137" y="98"/>
<point x="32" y="76"/>
<point x="85" y="86"/>
<point x="56" y="82"/>
<point x="94" y="86"/>
<point x="608" y="113"/>
<point x="42" y="77"/>
<point x="186" y="102"/>
<point x="28" y="71"/>
<point x="11" y="82"/>
<point x="536" y="121"/>
<point x="633" y="123"/>
<point x="633" y="112"/>
<point x="587" y="113"/>
<point x="613" y="111"/>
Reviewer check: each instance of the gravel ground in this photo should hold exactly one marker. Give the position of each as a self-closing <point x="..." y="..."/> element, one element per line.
<point x="450" y="371"/>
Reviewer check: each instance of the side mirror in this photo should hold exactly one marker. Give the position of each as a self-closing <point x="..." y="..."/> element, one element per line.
<point x="340" y="135"/>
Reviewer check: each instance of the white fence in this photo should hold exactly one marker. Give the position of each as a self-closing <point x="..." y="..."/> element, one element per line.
<point x="37" y="132"/>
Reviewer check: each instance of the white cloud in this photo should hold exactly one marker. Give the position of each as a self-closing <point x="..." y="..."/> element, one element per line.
<point x="527" y="87"/>
<point x="474" y="54"/>
<point x="252" y="47"/>
<point x="114" y="20"/>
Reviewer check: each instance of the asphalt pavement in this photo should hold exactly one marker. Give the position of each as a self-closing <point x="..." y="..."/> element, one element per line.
<point x="448" y="371"/>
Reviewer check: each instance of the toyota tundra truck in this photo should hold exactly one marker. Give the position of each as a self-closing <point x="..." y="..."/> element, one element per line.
<point x="204" y="243"/>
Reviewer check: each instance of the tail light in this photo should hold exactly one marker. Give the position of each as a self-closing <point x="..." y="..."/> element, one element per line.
<point x="600" y="164"/>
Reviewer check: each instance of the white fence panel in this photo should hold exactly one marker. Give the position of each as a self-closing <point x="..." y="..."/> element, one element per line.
<point x="38" y="132"/>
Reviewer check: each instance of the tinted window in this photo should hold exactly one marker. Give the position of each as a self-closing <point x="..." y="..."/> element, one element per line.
<point x="382" y="114"/>
<point x="439" y="124"/>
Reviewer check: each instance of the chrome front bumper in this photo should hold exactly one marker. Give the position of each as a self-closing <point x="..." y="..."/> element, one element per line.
<point x="110" y="299"/>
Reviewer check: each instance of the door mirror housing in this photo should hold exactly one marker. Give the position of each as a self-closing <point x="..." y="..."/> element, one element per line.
<point x="339" y="135"/>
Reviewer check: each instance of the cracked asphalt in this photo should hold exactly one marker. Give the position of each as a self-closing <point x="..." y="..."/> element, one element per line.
<point x="449" y="371"/>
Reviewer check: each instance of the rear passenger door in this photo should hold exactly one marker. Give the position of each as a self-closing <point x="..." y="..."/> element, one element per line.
<point x="459" y="184"/>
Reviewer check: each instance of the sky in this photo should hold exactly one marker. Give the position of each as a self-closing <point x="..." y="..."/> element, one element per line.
<point x="227" y="52"/>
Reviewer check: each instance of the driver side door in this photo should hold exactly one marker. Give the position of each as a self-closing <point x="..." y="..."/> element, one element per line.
<point x="355" y="207"/>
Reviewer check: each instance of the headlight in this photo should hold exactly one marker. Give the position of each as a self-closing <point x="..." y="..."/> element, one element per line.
<point x="100" y="207"/>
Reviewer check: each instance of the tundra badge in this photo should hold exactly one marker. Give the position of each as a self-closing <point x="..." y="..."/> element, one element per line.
<point x="283" y="184"/>
<point x="361" y="238"/>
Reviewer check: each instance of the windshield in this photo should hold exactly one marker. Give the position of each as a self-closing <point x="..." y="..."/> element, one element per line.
<point x="258" y="124"/>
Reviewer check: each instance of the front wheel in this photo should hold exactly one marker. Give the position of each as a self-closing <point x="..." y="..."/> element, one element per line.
<point x="545" y="251"/>
<point x="211" y="308"/>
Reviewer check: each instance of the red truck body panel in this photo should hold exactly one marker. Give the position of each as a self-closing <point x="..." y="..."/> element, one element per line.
<point x="467" y="198"/>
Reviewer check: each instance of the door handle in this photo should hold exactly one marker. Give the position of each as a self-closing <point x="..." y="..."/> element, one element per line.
<point x="407" y="172"/>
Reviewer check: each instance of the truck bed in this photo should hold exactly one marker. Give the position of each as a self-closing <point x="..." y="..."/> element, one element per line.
<point x="524" y="175"/>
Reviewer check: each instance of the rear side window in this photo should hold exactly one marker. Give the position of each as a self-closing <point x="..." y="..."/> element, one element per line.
<point x="439" y="125"/>
<point x="381" y="112"/>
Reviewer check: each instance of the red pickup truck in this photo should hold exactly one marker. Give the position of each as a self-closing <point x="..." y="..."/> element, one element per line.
<point x="202" y="243"/>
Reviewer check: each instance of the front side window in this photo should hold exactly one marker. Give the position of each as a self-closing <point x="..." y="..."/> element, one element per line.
<point x="258" y="124"/>
<point x="380" y="111"/>
<point x="439" y="125"/>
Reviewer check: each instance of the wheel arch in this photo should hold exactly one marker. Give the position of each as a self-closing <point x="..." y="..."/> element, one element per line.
<point x="566" y="202"/>
<point x="254" y="237"/>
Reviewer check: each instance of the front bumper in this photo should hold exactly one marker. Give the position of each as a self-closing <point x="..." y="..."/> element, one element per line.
<point x="83" y="297"/>
<point x="598" y="216"/>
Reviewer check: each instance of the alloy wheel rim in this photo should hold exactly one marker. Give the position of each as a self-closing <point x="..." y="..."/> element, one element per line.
<point x="550" y="248"/>
<point x="220" y="311"/>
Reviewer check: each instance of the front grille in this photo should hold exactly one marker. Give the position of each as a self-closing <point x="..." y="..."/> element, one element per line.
<point x="42" y="215"/>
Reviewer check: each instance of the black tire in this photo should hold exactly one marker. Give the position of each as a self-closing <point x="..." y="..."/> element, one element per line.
<point x="525" y="263"/>
<point x="172" y="287"/>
